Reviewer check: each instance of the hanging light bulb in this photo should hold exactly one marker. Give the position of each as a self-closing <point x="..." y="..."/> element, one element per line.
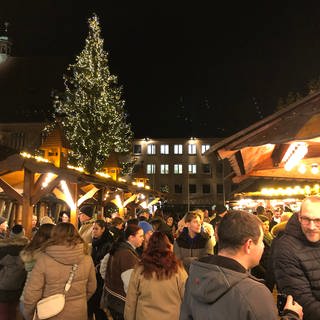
<point x="302" y="169"/>
<point x="314" y="168"/>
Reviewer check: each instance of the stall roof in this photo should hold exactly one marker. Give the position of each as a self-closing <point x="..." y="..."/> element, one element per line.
<point x="257" y="151"/>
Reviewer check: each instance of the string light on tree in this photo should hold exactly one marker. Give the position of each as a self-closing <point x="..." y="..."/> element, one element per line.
<point x="93" y="112"/>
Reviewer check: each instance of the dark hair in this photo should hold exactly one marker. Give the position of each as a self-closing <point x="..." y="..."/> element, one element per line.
<point x="130" y="230"/>
<point x="62" y="213"/>
<point x="159" y="258"/>
<point x="134" y="221"/>
<point x="101" y="223"/>
<point x="116" y="221"/>
<point x="17" y="228"/>
<point x="42" y="235"/>
<point x="236" y="228"/>
<point x="64" y="233"/>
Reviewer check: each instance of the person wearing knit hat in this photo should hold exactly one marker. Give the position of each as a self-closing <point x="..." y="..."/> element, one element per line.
<point x="3" y="227"/>
<point x="86" y="219"/>
<point x="17" y="232"/>
<point x="148" y="231"/>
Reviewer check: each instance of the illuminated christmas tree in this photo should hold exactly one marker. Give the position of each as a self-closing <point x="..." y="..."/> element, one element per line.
<point x="93" y="112"/>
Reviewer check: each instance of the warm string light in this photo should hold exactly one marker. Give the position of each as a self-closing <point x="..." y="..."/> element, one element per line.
<point x="294" y="154"/>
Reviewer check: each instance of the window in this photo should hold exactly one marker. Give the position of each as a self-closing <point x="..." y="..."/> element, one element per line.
<point x="206" y="188"/>
<point x="177" y="168"/>
<point x="192" y="168"/>
<point x="151" y="149"/>
<point x="137" y="149"/>
<point x="164" y="168"/>
<point x="206" y="168"/>
<point x="164" y="188"/>
<point x="151" y="168"/>
<point x="219" y="188"/>
<point x="192" y="148"/>
<point x="204" y="148"/>
<point x="178" y="188"/>
<point x="178" y="149"/>
<point x="192" y="188"/>
<point x="164" y="149"/>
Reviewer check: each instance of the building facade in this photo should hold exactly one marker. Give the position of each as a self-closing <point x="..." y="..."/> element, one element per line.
<point x="180" y="168"/>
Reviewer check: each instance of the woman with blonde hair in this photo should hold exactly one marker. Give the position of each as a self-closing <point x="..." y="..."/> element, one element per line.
<point x="156" y="286"/>
<point x="50" y="274"/>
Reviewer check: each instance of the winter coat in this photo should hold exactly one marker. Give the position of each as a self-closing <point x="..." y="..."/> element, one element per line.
<point x="85" y="230"/>
<point x="29" y="259"/>
<point x="12" y="272"/>
<point x="153" y="298"/>
<point x="188" y="249"/>
<point x="50" y="274"/>
<point x="119" y="268"/>
<point x="296" y="265"/>
<point x="219" y="288"/>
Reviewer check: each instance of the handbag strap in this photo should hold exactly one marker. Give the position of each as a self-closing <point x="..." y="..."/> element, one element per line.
<point x="68" y="284"/>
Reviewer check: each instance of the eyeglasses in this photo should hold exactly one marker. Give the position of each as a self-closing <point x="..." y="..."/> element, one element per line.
<point x="306" y="221"/>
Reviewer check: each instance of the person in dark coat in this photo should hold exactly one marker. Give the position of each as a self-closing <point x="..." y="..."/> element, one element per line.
<point x="220" y="287"/>
<point x="12" y="272"/>
<point x="192" y="244"/>
<point x="296" y="258"/>
<point x="101" y="244"/>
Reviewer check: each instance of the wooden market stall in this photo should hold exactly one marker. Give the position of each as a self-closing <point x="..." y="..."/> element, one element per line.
<point x="284" y="145"/>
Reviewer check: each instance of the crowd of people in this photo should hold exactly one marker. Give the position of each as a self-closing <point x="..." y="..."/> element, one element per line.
<point x="220" y="264"/>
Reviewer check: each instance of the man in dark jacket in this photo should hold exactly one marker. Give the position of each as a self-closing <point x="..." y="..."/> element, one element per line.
<point x="296" y="258"/>
<point x="192" y="244"/>
<point x="220" y="287"/>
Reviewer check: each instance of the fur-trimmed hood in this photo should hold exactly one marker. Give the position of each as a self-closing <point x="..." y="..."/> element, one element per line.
<point x="28" y="256"/>
<point x="23" y="241"/>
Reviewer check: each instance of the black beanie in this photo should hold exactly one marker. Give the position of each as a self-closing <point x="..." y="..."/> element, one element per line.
<point x="87" y="210"/>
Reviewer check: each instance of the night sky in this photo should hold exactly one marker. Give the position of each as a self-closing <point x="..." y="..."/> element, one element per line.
<point x="186" y="71"/>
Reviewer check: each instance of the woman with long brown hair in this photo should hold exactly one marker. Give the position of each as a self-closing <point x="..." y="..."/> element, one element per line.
<point x="62" y="252"/>
<point x="156" y="286"/>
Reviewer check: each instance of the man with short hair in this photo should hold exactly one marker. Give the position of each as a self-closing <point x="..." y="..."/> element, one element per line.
<point x="192" y="244"/>
<point x="296" y="258"/>
<point x="220" y="287"/>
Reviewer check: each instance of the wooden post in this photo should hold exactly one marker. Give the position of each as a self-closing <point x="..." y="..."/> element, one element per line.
<point x="73" y="188"/>
<point x="27" y="208"/>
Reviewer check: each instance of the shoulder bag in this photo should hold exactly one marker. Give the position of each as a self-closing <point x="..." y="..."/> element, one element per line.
<point x="52" y="305"/>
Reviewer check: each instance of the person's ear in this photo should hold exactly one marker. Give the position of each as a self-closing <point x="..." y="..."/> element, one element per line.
<point x="248" y="246"/>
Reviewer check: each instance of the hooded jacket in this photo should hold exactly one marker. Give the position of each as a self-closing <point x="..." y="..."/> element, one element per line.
<point x="219" y="288"/>
<point x="50" y="274"/>
<point x="296" y="264"/>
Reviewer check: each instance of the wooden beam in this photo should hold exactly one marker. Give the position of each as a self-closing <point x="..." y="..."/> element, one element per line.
<point x="27" y="208"/>
<point x="10" y="191"/>
<point x="38" y="194"/>
<point x="278" y="153"/>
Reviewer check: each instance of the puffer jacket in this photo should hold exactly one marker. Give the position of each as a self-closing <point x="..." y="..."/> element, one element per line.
<point x="50" y="274"/>
<point x="12" y="272"/>
<point x="296" y="264"/>
<point x="219" y="288"/>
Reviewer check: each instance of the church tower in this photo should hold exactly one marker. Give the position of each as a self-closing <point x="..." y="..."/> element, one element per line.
<point x="5" y="43"/>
